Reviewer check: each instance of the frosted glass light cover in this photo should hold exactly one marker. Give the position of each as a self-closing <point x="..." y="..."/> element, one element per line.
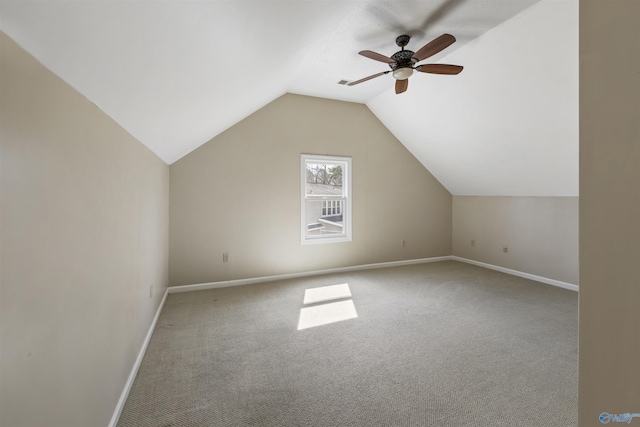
<point x="402" y="73"/>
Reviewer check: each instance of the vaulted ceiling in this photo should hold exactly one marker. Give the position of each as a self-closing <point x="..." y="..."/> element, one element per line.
<point x="176" y="74"/>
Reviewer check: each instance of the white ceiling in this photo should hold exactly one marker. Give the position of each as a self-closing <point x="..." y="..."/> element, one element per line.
<point x="177" y="73"/>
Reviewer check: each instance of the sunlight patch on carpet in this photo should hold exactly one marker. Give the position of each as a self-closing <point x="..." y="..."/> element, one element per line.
<point x="326" y="293"/>
<point x="326" y="313"/>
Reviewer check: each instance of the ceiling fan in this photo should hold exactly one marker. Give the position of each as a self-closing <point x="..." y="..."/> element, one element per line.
<point x="403" y="62"/>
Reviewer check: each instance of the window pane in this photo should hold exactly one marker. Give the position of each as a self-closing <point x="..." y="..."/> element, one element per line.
<point x="323" y="179"/>
<point x="322" y="220"/>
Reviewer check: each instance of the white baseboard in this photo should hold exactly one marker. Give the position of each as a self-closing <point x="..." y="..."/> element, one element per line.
<point x="238" y="282"/>
<point x="546" y="280"/>
<point x="249" y="281"/>
<point x="134" y="371"/>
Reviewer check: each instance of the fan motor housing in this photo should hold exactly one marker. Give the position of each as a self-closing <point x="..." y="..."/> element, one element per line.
<point x="402" y="58"/>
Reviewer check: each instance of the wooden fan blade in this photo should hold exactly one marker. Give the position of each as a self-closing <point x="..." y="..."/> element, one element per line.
<point x="376" y="56"/>
<point x="367" y="78"/>
<point x="401" y="85"/>
<point x="440" y="68"/>
<point x="434" y="46"/>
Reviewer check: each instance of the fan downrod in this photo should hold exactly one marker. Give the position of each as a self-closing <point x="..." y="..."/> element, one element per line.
<point x="403" y="58"/>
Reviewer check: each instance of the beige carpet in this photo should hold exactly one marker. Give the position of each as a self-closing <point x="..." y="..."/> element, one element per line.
<point x="442" y="344"/>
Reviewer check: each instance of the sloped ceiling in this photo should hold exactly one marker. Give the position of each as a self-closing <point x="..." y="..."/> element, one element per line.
<point x="176" y="74"/>
<point x="508" y="124"/>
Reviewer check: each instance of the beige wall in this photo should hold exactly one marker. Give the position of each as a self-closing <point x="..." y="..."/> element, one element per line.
<point x="609" y="378"/>
<point x="83" y="235"/>
<point x="240" y="193"/>
<point x="541" y="233"/>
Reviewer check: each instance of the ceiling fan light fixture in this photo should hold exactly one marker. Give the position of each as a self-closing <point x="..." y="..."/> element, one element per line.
<point x="402" y="73"/>
<point x="404" y="62"/>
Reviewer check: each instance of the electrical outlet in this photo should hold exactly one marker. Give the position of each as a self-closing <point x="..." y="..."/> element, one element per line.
<point x="473" y="242"/>
<point x="151" y="290"/>
<point x="404" y="243"/>
<point x="225" y="257"/>
<point x="505" y="249"/>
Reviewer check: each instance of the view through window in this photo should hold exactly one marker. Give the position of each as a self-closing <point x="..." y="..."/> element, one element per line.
<point x="326" y="199"/>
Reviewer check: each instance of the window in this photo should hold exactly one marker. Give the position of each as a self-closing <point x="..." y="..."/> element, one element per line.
<point x="326" y="199"/>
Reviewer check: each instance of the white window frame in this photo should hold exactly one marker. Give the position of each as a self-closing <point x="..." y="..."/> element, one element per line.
<point x="347" y="213"/>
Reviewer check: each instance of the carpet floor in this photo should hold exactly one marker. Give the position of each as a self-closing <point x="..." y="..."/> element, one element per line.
<point x="441" y="344"/>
